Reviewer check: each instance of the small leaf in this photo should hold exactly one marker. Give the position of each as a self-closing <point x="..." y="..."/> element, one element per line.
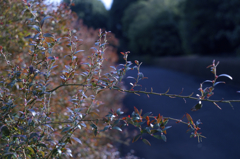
<point x="93" y="126"/>
<point x="207" y="81"/>
<point x="66" y="129"/>
<point x="189" y="118"/>
<point x="77" y="139"/>
<point x="164" y="137"/>
<point x="113" y="67"/>
<point x="167" y="127"/>
<point x="42" y="145"/>
<point x="32" y="111"/>
<point x="47" y="35"/>
<point x="27" y="37"/>
<point x="157" y="136"/>
<point x="130" y="77"/>
<point x="79" y="51"/>
<point x="117" y="128"/>
<point x="197" y="106"/>
<point x="146" y="114"/>
<point x="31" y="150"/>
<point x="219" y="82"/>
<point x="148" y="130"/>
<point x="59" y="151"/>
<point x="119" y="112"/>
<point x="5" y="131"/>
<point x="95" y="132"/>
<point x="36" y="27"/>
<point x="105" y="128"/>
<point x="136" y="110"/>
<point x="146" y="142"/>
<point x="42" y="21"/>
<point x="226" y="75"/>
<point x="116" y="122"/>
<point x="42" y="153"/>
<point x="136" y="138"/>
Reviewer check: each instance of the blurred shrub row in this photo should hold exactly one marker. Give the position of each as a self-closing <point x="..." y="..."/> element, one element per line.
<point x="168" y="27"/>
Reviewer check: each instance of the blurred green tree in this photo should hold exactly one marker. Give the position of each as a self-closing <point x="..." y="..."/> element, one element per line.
<point x="210" y="26"/>
<point x="152" y="27"/>
<point x="116" y="14"/>
<point x="92" y="12"/>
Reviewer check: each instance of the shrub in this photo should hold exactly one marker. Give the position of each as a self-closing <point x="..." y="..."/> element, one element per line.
<point x="59" y="100"/>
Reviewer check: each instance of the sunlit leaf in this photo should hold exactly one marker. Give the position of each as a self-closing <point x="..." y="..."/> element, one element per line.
<point x="226" y="75"/>
<point x="117" y="128"/>
<point x="218" y="83"/>
<point x="167" y="127"/>
<point x="43" y="20"/>
<point x="189" y="118"/>
<point x="35" y="27"/>
<point x="77" y="139"/>
<point x="31" y="150"/>
<point x="79" y="51"/>
<point x="207" y="81"/>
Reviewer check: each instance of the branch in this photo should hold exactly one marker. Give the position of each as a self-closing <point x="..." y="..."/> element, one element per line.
<point x="179" y="96"/>
<point x="63" y="85"/>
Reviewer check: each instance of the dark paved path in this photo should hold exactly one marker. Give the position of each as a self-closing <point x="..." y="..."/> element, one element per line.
<point x="221" y="127"/>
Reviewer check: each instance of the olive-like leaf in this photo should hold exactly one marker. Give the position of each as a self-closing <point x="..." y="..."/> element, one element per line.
<point x="136" y="138"/>
<point x="79" y="51"/>
<point x="146" y="142"/>
<point x="77" y="139"/>
<point x="146" y="114"/>
<point x="105" y="128"/>
<point x="197" y="106"/>
<point x="66" y="129"/>
<point x="117" y="128"/>
<point x="42" y="21"/>
<point x="36" y="27"/>
<point x="164" y="137"/>
<point x="167" y="127"/>
<point x="226" y="75"/>
<point x="157" y="136"/>
<point x="47" y="35"/>
<point x="218" y="83"/>
<point x="41" y="145"/>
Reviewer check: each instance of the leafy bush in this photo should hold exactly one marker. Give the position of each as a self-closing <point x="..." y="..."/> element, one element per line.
<point x="60" y="91"/>
<point x="155" y="33"/>
<point x="210" y="26"/>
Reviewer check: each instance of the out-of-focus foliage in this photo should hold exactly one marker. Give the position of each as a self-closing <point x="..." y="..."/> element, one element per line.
<point x="211" y="26"/>
<point x="116" y="14"/>
<point x="36" y="56"/>
<point x="92" y="12"/>
<point x="177" y="27"/>
<point x="152" y="27"/>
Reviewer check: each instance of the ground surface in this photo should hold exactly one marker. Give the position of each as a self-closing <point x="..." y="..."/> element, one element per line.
<point x="221" y="127"/>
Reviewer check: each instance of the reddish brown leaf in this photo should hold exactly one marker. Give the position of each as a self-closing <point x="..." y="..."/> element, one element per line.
<point x="136" y="110"/>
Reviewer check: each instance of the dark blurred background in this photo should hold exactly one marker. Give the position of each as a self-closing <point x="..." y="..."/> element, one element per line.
<point x="168" y="27"/>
